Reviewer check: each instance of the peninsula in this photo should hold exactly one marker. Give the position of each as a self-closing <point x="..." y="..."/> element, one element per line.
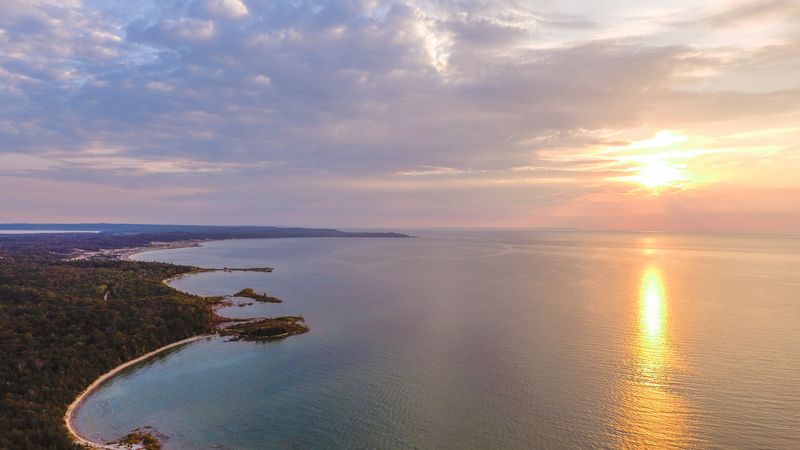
<point x="268" y="329"/>
<point x="249" y="293"/>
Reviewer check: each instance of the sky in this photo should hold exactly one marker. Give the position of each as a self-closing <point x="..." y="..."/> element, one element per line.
<point x="591" y="114"/>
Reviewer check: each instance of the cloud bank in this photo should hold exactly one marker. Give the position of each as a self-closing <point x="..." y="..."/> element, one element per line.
<point x="376" y="113"/>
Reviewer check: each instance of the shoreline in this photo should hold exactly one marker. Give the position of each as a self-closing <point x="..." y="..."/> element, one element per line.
<point x="70" y="413"/>
<point x="128" y="253"/>
<point x="125" y="254"/>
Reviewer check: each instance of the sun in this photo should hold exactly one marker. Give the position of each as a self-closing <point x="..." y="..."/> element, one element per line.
<point x="657" y="173"/>
<point x="658" y="164"/>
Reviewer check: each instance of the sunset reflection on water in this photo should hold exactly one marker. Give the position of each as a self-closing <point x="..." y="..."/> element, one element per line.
<point x="651" y="414"/>
<point x="652" y="347"/>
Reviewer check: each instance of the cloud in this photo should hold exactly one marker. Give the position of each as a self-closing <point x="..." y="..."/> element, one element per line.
<point x="20" y="162"/>
<point x="473" y="94"/>
<point x="756" y="11"/>
<point x="224" y="9"/>
<point x="430" y="171"/>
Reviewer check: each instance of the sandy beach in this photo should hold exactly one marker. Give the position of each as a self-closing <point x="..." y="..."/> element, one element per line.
<point x="128" y="252"/>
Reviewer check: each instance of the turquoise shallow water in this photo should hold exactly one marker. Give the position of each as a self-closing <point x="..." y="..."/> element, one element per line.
<point x="484" y="340"/>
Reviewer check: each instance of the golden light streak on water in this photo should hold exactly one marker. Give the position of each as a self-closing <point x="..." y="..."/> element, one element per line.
<point x="651" y="414"/>
<point x="652" y="313"/>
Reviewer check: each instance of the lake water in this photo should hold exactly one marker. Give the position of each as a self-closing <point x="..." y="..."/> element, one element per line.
<point x="484" y="339"/>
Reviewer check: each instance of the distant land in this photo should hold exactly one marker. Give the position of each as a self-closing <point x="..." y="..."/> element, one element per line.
<point x="63" y="239"/>
<point x="238" y="230"/>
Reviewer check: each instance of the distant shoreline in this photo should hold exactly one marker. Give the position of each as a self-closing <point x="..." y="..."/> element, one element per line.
<point x="126" y="253"/>
<point x="155" y="246"/>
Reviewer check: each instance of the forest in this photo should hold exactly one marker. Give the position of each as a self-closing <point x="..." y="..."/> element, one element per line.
<point x="59" y="334"/>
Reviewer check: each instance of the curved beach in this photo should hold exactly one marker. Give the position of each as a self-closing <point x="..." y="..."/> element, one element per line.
<point x="68" y="416"/>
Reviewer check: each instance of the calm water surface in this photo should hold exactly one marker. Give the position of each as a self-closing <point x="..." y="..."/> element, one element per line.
<point x="485" y="340"/>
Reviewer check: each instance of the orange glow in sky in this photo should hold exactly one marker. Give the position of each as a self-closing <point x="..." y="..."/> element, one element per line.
<point x="647" y="115"/>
